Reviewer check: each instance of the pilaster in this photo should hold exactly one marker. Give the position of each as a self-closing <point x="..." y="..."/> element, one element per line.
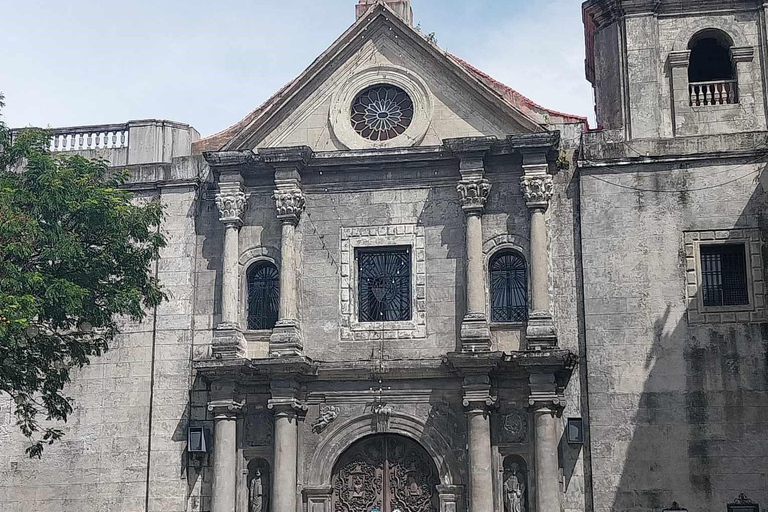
<point x="473" y="190"/>
<point x="290" y="203"/>
<point x="537" y="188"/>
<point x="228" y="341"/>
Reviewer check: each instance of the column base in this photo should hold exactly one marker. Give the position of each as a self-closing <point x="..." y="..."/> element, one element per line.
<point x="228" y="342"/>
<point x="286" y="340"/>
<point x="475" y="334"/>
<point x="540" y="333"/>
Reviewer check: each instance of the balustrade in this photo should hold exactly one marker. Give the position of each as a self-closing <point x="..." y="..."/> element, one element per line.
<point x="89" y="137"/>
<point x="721" y="92"/>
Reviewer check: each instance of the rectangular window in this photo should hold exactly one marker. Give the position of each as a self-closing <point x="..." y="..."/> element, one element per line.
<point x="384" y="284"/>
<point x="724" y="275"/>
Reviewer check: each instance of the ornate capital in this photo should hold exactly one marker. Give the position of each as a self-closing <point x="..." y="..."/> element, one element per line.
<point x="231" y="204"/>
<point x="537" y="190"/>
<point x="287" y="405"/>
<point x="545" y="394"/>
<point x="225" y="409"/>
<point x="289" y="203"/>
<point x="477" y="394"/>
<point x="473" y="195"/>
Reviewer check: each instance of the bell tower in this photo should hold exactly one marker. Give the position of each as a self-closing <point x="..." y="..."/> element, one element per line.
<point x="401" y="7"/>
<point x="665" y="68"/>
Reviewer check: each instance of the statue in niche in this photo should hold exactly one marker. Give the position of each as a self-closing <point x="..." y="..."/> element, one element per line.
<point x="258" y="491"/>
<point x="514" y="489"/>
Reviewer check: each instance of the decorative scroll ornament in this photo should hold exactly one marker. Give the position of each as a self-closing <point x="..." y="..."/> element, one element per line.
<point x="514" y="428"/>
<point x="225" y="408"/>
<point x="289" y="203"/>
<point x="328" y="413"/>
<point x="473" y="194"/>
<point x="231" y="205"/>
<point x="537" y="190"/>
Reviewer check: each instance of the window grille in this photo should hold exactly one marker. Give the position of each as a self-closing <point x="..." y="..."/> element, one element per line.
<point x="384" y="284"/>
<point x="724" y="275"/>
<point x="263" y="296"/>
<point x="509" y="288"/>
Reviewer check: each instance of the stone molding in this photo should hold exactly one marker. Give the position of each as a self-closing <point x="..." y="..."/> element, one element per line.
<point x="225" y="409"/>
<point x="289" y="203"/>
<point x="742" y="53"/>
<point x="230" y="202"/>
<point x="417" y="89"/>
<point x="545" y="394"/>
<point x="680" y="59"/>
<point x="477" y="394"/>
<point x="753" y="244"/>
<point x="473" y="195"/>
<point x="537" y="190"/>
<point x="383" y="236"/>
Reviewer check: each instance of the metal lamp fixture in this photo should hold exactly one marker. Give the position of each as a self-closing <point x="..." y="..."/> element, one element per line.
<point x="197" y="440"/>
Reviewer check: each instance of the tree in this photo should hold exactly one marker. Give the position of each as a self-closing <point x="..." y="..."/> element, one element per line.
<point x="76" y="254"/>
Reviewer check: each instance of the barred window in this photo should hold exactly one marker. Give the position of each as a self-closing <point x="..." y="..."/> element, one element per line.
<point x="263" y="296"/>
<point x="384" y="284"/>
<point x="509" y="287"/>
<point x="724" y="275"/>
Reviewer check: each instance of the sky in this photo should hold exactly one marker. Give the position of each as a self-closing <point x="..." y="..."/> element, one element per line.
<point x="210" y="62"/>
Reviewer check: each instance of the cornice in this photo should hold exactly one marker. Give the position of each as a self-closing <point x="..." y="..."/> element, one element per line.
<point x="606" y="12"/>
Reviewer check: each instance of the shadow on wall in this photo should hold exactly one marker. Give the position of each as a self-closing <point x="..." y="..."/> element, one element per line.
<point x="696" y="434"/>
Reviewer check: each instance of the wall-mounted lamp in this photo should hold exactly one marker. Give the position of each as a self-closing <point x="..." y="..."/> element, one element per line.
<point x="675" y="508"/>
<point x="197" y="440"/>
<point x="574" y="431"/>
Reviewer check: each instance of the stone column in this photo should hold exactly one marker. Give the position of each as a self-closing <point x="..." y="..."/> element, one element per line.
<point x="224" y="454"/>
<point x="546" y="403"/>
<point x="230" y="200"/>
<point x="287" y="409"/>
<point x="478" y="403"/>
<point x="536" y="185"/>
<point x="289" y="199"/>
<point x="473" y="191"/>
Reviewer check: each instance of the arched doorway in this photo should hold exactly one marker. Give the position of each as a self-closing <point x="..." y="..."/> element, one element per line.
<point x="385" y="473"/>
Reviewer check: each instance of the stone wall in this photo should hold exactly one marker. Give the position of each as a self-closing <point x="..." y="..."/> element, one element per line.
<point x="677" y="409"/>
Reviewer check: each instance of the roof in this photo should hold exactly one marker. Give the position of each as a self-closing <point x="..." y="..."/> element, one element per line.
<point x="526" y="107"/>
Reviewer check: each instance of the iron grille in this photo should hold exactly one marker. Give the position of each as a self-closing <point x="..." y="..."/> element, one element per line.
<point x="384" y="277"/>
<point x="263" y="296"/>
<point x="724" y="275"/>
<point x="509" y="288"/>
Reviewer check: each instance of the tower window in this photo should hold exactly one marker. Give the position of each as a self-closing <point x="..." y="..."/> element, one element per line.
<point x="509" y="287"/>
<point x="263" y="296"/>
<point x="384" y="280"/>
<point x="711" y="72"/>
<point x="724" y="275"/>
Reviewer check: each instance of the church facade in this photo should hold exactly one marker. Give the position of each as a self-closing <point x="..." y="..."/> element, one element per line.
<point x="400" y="286"/>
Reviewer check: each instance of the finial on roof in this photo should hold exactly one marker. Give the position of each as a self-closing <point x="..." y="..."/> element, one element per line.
<point x="401" y="7"/>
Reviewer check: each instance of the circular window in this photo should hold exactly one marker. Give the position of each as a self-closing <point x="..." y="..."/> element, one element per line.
<point x="381" y="112"/>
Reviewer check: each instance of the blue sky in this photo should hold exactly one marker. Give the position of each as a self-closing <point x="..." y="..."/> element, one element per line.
<point x="208" y="63"/>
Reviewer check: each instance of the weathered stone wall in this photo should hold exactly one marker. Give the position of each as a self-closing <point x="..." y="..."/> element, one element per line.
<point x="677" y="410"/>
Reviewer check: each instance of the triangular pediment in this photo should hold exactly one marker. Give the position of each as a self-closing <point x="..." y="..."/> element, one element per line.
<point x="449" y="100"/>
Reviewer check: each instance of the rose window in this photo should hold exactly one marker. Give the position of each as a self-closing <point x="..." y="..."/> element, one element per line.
<point x="382" y="112"/>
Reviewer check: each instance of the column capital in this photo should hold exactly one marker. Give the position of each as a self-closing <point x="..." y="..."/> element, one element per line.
<point x="287" y="406"/>
<point x="473" y="194"/>
<point x="225" y="409"/>
<point x="289" y="200"/>
<point x="477" y="394"/>
<point x="537" y="190"/>
<point x="545" y="395"/>
<point x="230" y="200"/>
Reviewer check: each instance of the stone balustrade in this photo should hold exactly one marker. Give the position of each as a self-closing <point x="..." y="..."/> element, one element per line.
<point x="720" y="92"/>
<point x="83" y="138"/>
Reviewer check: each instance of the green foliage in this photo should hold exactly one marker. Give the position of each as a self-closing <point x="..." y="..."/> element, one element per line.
<point x="75" y="255"/>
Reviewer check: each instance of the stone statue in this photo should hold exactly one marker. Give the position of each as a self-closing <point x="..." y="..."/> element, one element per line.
<point x="259" y="493"/>
<point x="514" y="490"/>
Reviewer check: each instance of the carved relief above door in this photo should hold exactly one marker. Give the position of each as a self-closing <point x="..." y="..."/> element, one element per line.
<point x="385" y="473"/>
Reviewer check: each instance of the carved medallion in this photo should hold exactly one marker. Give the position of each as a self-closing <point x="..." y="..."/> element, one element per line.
<point x="514" y="427"/>
<point x="258" y="428"/>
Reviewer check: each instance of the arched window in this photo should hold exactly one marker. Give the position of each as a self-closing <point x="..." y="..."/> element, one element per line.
<point x="509" y="287"/>
<point x="711" y="72"/>
<point x="263" y="296"/>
